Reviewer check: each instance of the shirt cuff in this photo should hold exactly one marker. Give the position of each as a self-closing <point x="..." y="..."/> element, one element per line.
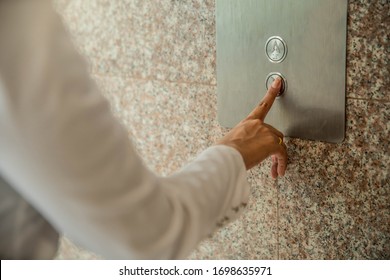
<point x="238" y="185"/>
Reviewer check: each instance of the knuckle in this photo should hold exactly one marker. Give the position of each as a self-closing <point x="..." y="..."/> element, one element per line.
<point x="263" y="104"/>
<point x="251" y="124"/>
<point x="271" y="139"/>
<point x="256" y="122"/>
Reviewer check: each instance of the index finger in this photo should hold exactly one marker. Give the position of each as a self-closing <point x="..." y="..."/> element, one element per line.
<point x="261" y="111"/>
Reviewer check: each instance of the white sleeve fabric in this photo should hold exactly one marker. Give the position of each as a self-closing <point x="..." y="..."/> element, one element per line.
<point x="24" y="233"/>
<point x="62" y="150"/>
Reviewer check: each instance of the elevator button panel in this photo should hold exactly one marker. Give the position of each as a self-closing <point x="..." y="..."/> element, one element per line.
<point x="304" y="42"/>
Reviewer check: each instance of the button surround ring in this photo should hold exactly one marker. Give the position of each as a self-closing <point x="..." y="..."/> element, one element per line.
<point x="273" y="75"/>
<point x="280" y="46"/>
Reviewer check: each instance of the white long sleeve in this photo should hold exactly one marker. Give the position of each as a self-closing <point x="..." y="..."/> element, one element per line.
<point x="62" y="150"/>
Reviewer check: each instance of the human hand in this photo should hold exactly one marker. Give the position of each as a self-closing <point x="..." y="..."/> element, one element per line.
<point x="256" y="140"/>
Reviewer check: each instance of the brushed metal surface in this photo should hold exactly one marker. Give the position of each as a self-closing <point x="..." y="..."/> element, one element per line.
<point x="313" y="106"/>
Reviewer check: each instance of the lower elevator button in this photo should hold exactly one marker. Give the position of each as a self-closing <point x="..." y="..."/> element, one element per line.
<point x="271" y="78"/>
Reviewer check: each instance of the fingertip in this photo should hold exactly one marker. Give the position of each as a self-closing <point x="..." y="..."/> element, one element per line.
<point x="275" y="87"/>
<point x="277" y="83"/>
<point x="274" y="168"/>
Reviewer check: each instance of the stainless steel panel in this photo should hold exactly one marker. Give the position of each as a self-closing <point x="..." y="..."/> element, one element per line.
<point x="313" y="63"/>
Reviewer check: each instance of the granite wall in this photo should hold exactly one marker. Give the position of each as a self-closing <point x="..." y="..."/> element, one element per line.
<point x="155" y="62"/>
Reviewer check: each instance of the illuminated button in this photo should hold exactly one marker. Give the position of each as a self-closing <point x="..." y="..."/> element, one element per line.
<point x="271" y="78"/>
<point x="276" y="49"/>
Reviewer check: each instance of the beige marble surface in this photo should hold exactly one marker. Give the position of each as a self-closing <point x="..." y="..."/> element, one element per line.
<point x="155" y="62"/>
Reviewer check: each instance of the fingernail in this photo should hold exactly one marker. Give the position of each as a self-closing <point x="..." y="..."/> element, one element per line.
<point x="276" y="83"/>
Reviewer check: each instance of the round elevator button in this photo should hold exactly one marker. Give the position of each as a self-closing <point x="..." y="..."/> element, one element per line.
<point x="271" y="78"/>
<point x="276" y="49"/>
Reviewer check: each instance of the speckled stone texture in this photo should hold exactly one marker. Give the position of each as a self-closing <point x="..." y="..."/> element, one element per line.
<point x="155" y="62"/>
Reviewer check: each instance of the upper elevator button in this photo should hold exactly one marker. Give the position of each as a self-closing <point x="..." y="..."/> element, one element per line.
<point x="276" y="49"/>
